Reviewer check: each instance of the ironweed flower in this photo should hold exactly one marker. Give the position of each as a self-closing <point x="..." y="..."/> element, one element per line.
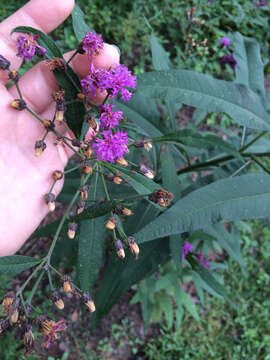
<point x="186" y="248"/>
<point x="92" y="43"/>
<point x="28" y="47"/>
<point x="225" y="41"/>
<point x="109" y="119"/>
<point x="95" y="80"/>
<point x="202" y="260"/>
<point x="111" y="146"/>
<point x="228" y="59"/>
<point x="259" y="3"/>
<point x="50" y="328"/>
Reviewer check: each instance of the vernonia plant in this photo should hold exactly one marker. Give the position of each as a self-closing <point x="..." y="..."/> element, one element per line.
<point x="130" y="202"/>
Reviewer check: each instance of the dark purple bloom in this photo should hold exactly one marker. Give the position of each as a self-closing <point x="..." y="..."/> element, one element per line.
<point x="259" y="3"/>
<point x="210" y="0"/>
<point x="119" y="78"/>
<point x="186" y="248"/>
<point x="28" y="47"/>
<point x="109" y="119"/>
<point x="92" y="43"/>
<point x="225" y="41"/>
<point x="202" y="260"/>
<point x="228" y="59"/>
<point x="95" y="80"/>
<point x="112" y="146"/>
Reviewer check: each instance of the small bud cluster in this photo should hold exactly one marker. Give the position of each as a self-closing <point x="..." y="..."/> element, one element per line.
<point x="161" y="197"/>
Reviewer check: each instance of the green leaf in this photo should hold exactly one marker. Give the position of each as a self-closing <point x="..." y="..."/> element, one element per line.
<point x="160" y="58"/>
<point x="183" y="298"/>
<point x="120" y="275"/>
<point x="79" y="25"/>
<point x="241" y="197"/>
<point x="43" y="40"/>
<point x="212" y="95"/>
<point x="16" y="263"/>
<point x="167" y="308"/>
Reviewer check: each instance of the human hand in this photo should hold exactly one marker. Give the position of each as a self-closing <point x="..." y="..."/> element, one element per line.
<point x="25" y="178"/>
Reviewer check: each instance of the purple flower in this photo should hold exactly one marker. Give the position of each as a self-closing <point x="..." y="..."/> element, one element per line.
<point x="119" y="78"/>
<point x="228" y="59"/>
<point x="259" y="3"/>
<point x="186" y="248"/>
<point x="225" y="41"/>
<point x="203" y="262"/>
<point x="28" y="47"/>
<point x="109" y="119"/>
<point x="92" y="43"/>
<point x="112" y="146"/>
<point x="95" y="80"/>
<point x="210" y="0"/>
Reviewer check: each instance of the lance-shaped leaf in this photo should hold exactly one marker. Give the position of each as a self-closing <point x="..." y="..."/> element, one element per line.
<point x="241" y="197"/>
<point x="79" y="25"/>
<point x="196" y="139"/>
<point x="120" y="275"/>
<point x="212" y="95"/>
<point x="16" y="263"/>
<point x="67" y="80"/>
<point x="160" y="59"/>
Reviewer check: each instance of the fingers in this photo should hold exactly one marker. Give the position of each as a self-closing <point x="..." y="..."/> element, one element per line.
<point x="40" y="14"/>
<point x="38" y="83"/>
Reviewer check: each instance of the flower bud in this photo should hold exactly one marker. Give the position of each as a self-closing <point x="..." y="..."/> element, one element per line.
<point x="121" y="161"/>
<point x="4" y="325"/>
<point x="76" y="142"/>
<point x="58" y="175"/>
<point x="88" y="302"/>
<point x="7" y="303"/>
<point x="146" y="172"/>
<point x="18" y="104"/>
<point x="50" y="201"/>
<point x="121" y="210"/>
<point x="87" y="168"/>
<point x="81" y="206"/>
<point x="161" y="197"/>
<point x="148" y="145"/>
<point x="56" y="298"/>
<point x="80" y="96"/>
<point x="13" y="75"/>
<point x="67" y="286"/>
<point x="119" y="249"/>
<point x="48" y="124"/>
<point x="133" y="246"/>
<point x="88" y="152"/>
<point x="111" y="223"/>
<point x="84" y="192"/>
<point x="60" y="110"/>
<point x="58" y="96"/>
<point x="40" y="146"/>
<point x="117" y="180"/>
<point x="72" y="227"/>
<point x="4" y="63"/>
<point x="14" y="312"/>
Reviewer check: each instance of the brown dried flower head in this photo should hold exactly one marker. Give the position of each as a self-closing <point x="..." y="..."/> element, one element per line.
<point x="72" y="227"/>
<point x="67" y="285"/>
<point x="58" y="301"/>
<point x="119" y="249"/>
<point x="88" y="301"/>
<point x="18" y="104"/>
<point x="111" y="223"/>
<point x="133" y="246"/>
<point x="56" y="64"/>
<point x="40" y="146"/>
<point x="122" y="162"/>
<point x="50" y="201"/>
<point x="58" y="175"/>
<point x="7" y="303"/>
<point x="59" y="96"/>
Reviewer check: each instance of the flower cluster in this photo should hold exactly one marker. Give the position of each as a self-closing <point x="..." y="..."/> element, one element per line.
<point x="109" y="119"/>
<point x="28" y="47"/>
<point x="92" y="43"/>
<point x="112" y="146"/>
<point x="259" y="3"/>
<point x="115" y="81"/>
<point x="228" y="59"/>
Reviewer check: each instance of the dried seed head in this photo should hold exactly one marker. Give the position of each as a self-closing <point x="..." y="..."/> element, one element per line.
<point x="119" y="249"/>
<point x="133" y="246"/>
<point x="14" y="312"/>
<point x="50" y="201"/>
<point x="87" y="168"/>
<point x="121" y="161"/>
<point x="84" y="192"/>
<point x="28" y="337"/>
<point x="4" y="325"/>
<point x="18" y="104"/>
<point x="81" y="206"/>
<point x="7" y="303"/>
<point x="40" y="146"/>
<point x="88" y="301"/>
<point x="146" y="172"/>
<point x="60" y="110"/>
<point x="76" y="142"/>
<point x="80" y="96"/>
<point x="121" y="210"/>
<point x="67" y="286"/>
<point x="4" y="63"/>
<point x="13" y="75"/>
<point x="56" y="64"/>
<point x="72" y="227"/>
<point x="59" y="96"/>
<point x="161" y="197"/>
<point x="58" y="175"/>
<point x="48" y="124"/>
<point x="56" y="298"/>
<point x="88" y="152"/>
<point x="148" y="145"/>
<point x="91" y="121"/>
<point x="117" y="180"/>
<point x="111" y="223"/>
